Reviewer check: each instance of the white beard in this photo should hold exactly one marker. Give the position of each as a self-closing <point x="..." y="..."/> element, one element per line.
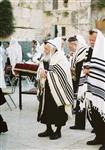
<point x="47" y="57"/>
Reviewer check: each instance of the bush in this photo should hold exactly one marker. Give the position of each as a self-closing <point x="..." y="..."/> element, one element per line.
<point x="101" y="4"/>
<point x="6" y="19"/>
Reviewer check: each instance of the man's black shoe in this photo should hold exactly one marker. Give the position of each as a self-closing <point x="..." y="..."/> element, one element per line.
<point x="55" y="136"/>
<point x="77" y="128"/>
<point x="94" y="142"/>
<point x="102" y="147"/>
<point x="46" y="133"/>
<point x="3" y="127"/>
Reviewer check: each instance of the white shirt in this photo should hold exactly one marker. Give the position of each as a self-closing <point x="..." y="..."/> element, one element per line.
<point x="15" y="54"/>
<point x="2" y="81"/>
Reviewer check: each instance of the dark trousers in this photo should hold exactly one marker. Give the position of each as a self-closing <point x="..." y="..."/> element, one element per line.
<point x="2" y="98"/>
<point x="3" y="125"/>
<point x="98" y="125"/>
<point x="52" y="114"/>
<point x="80" y="119"/>
<point x="1" y="119"/>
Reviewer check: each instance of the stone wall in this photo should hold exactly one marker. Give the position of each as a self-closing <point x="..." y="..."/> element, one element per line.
<point x="35" y="19"/>
<point x="98" y="16"/>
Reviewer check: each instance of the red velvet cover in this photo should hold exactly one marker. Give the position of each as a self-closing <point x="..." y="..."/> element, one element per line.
<point x="23" y="67"/>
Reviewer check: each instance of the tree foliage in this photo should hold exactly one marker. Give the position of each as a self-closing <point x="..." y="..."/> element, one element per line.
<point x="101" y="4"/>
<point x="6" y="19"/>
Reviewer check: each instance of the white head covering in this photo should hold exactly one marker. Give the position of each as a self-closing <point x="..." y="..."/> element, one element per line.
<point x="56" y="42"/>
<point x="13" y="41"/>
<point x="99" y="47"/>
<point x="81" y="41"/>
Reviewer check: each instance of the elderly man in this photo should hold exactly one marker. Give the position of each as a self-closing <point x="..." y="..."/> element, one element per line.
<point x="57" y="94"/>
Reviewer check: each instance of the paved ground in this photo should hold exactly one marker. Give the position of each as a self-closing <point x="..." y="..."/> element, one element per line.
<point x="23" y="130"/>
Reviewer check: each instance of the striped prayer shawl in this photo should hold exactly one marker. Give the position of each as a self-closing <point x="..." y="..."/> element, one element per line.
<point x="59" y="85"/>
<point x="96" y="85"/>
<point x="96" y="79"/>
<point x="82" y="87"/>
<point x="80" y="55"/>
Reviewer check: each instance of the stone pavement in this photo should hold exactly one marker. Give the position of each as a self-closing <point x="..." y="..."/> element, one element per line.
<point x="23" y="130"/>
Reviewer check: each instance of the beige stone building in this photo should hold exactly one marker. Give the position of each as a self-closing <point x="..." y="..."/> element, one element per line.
<point x="37" y="19"/>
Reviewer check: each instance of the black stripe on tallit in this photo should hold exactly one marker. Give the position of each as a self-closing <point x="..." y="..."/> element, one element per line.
<point x="97" y="68"/>
<point x="97" y="95"/>
<point x="82" y="80"/>
<point x="94" y="58"/>
<point x="69" y="94"/>
<point x="97" y="74"/>
<point x="96" y="87"/>
<point x="96" y="78"/>
<point x="64" y="76"/>
<point x="96" y="91"/>
<point x="79" y="52"/>
<point x="95" y="62"/>
<point x="56" y="88"/>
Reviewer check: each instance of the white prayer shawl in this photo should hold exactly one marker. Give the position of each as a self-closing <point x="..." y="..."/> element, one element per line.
<point x="81" y="50"/>
<point x="96" y="78"/>
<point x="81" y="41"/>
<point x="2" y="81"/>
<point x="38" y="46"/>
<point x="36" y="56"/>
<point x="14" y="52"/>
<point x="60" y="81"/>
<point x="56" y="42"/>
<point x="79" y="56"/>
<point x="3" y="54"/>
<point x="94" y="84"/>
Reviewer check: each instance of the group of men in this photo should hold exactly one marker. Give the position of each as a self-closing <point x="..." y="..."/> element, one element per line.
<point x="89" y="85"/>
<point x="86" y="65"/>
<point x="62" y="78"/>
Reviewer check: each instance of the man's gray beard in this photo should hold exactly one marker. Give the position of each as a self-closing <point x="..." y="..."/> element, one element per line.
<point x="47" y="57"/>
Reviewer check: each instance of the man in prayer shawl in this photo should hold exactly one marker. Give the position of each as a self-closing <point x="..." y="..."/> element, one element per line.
<point x="78" y="45"/>
<point x="94" y="70"/>
<point x="14" y="52"/>
<point x="3" y="53"/>
<point x="3" y="124"/>
<point x="35" y="54"/>
<point x="56" y="96"/>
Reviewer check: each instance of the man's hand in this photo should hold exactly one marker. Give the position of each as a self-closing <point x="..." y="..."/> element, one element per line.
<point x="42" y="74"/>
<point x="86" y="71"/>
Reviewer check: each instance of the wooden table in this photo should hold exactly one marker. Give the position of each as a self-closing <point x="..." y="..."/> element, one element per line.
<point x="22" y="69"/>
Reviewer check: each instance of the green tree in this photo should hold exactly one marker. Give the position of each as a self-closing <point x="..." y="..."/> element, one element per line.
<point x="6" y="19"/>
<point x="101" y="4"/>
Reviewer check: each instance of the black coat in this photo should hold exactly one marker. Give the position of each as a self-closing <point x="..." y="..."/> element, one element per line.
<point x="2" y="98"/>
<point x="52" y="114"/>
